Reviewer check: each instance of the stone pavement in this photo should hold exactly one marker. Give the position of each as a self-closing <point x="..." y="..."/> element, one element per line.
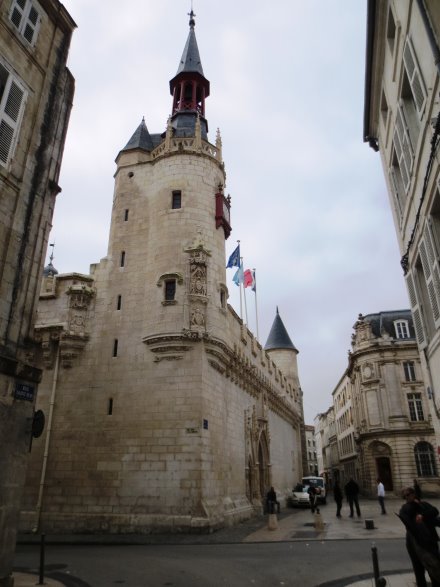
<point x="293" y="525"/>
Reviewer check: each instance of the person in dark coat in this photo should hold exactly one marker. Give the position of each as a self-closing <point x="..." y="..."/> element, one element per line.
<point x="271" y="501"/>
<point x="337" y="494"/>
<point x="313" y="497"/>
<point x="417" y="490"/>
<point x="352" y="494"/>
<point x="420" y="518"/>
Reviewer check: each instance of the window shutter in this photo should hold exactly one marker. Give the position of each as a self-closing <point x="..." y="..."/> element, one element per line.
<point x="434" y="279"/>
<point x="414" y="75"/>
<point x="10" y="110"/>
<point x="403" y="147"/>
<point x="416" y="311"/>
<point x="399" y="198"/>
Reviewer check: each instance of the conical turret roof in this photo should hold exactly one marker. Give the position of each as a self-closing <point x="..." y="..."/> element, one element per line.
<point x="278" y="337"/>
<point x="141" y="139"/>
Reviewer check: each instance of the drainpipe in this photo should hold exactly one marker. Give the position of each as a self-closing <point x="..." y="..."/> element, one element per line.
<point x="47" y="443"/>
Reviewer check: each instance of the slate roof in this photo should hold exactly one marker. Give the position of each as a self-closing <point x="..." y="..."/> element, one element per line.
<point x="49" y="270"/>
<point x="141" y="139"/>
<point x="278" y="337"/>
<point x="384" y="322"/>
<point x="190" y="60"/>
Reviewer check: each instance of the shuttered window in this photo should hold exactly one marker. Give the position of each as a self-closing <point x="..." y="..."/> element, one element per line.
<point x="414" y="76"/>
<point x="403" y="148"/>
<point x="25" y="16"/>
<point x="12" y="98"/>
<point x="416" y="311"/>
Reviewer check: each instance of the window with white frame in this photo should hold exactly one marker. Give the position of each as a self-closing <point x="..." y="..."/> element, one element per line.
<point x="425" y="460"/>
<point x="25" y="16"/>
<point x="409" y="370"/>
<point x="415" y="407"/>
<point x="12" y="99"/>
<point x="401" y="328"/>
<point x="414" y="77"/>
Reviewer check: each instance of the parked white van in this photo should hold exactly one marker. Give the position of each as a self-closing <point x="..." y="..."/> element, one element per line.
<point x="319" y="483"/>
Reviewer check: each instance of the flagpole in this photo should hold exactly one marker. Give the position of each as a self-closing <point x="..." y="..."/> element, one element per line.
<point x="241" y="290"/>
<point x="244" y="295"/>
<point x="256" y="307"/>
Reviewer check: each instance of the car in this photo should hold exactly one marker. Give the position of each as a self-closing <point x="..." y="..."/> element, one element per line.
<point x="300" y="497"/>
<point x="319" y="484"/>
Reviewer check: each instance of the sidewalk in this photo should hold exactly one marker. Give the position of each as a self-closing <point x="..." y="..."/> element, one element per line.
<point x="293" y="525"/>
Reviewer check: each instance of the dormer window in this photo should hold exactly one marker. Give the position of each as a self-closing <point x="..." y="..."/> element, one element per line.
<point x="25" y="16"/>
<point x="401" y="328"/>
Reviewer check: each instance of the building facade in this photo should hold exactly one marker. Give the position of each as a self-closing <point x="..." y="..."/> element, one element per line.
<point x="383" y="417"/>
<point x="312" y="455"/>
<point x="166" y="412"/>
<point x="402" y="122"/>
<point x="36" y="93"/>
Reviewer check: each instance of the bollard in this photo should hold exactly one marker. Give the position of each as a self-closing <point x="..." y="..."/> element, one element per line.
<point x="41" y="578"/>
<point x="319" y="522"/>
<point x="272" y="522"/>
<point x="378" y="580"/>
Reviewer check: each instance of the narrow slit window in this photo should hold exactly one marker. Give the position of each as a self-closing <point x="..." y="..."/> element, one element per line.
<point x="115" y="347"/>
<point x="119" y="302"/>
<point x="176" y="200"/>
<point x="122" y="262"/>
<point x="125" y="215"/>
<point x="110" y="406"/>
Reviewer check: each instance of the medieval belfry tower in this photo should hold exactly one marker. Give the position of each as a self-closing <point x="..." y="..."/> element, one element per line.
<point x="163" y="410"/>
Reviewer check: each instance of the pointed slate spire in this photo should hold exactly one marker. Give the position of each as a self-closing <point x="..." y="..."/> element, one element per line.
<point x="141" y="139"/>
<point x="278" y="337"/>
<point x="189" y="88"/>
<point x="190" y="60"/>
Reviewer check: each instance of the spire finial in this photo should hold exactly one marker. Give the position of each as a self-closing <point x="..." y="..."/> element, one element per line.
<point x="192" y="15"/>
<point x="51" y="254"/>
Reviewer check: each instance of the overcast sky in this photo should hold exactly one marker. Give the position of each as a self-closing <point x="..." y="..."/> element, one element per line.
<point x="309" y="202"/>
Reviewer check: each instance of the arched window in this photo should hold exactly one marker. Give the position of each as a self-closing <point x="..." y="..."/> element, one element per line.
<point x="425" y="460"/>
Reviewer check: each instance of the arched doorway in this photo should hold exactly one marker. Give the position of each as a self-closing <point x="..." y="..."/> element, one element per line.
<point x="263" y="465"/>
<point x="381" y="454"/>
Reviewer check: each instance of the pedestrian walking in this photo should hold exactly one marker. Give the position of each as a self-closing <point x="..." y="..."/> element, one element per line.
<point x="352" y="494"/>
<point x="420" y="518"/>
<point x="337" y="494"/>
<point x="272" y="501"/>
<point x="381" y="496"/>
<point x="312" y="498"/>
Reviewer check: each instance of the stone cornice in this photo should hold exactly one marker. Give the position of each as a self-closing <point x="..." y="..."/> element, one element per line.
<point x="230" y="363"/>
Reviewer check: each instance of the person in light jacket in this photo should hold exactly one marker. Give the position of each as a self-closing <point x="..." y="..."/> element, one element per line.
<point x="381" y="496"/>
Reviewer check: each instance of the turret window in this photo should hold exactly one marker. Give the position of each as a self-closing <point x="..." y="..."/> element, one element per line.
<point x="115" y="347"/>
<point x="119" y="302"/>
<point x="125" y="215"/>
<point x="122" y="259"/>
<point x="170" y="290"/>
<point x="176" y="200"/>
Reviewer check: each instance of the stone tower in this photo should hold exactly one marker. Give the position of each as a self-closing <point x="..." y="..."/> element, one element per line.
<point x="165" y="411"/>
<point x="282" y="350"/>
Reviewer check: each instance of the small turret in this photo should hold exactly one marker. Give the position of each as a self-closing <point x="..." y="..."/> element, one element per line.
<point x="283" y="351"/>
<point x="189" y="88"/>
